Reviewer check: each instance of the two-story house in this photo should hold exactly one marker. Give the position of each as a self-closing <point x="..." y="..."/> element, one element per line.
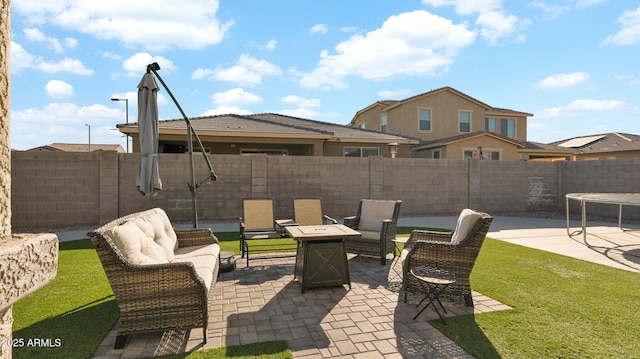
<point x="453" y="125"/>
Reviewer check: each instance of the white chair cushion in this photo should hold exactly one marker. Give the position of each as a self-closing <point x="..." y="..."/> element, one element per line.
<point x="156" y="225"/>
<point x="466" y="221"/>
<point x="203" y="258"/>
<point x="403" y="255"/>
<point x="373" y="213"/>
<point x="136" y="246"/>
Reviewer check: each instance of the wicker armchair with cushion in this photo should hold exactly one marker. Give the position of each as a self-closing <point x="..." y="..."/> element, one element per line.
<point x="455" y="251"/>
<point x="377" y="221"/>
<point x="161" y="277"/>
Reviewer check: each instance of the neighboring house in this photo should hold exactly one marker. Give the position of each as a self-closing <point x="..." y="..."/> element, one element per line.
<point x="78" y="147"/>
<point x="453" y="125"/>
<point x="274" y="134"/>
<point x="603" y="147"/>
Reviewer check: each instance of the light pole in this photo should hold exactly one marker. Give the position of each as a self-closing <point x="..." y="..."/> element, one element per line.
<point x="89" y="126"/>
<point x="126" y="103"/>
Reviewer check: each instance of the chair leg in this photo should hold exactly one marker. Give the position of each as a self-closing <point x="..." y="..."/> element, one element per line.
<point x="468" y="300"/>
<point x="121" y="341"/>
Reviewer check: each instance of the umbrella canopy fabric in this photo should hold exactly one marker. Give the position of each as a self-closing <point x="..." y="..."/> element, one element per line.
<point x="148" y="181"/>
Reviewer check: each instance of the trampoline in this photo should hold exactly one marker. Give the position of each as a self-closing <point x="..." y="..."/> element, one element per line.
<point x="620" y="199"/>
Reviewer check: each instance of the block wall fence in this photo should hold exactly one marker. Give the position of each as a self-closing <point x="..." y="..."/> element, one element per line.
<point x="61" y="189"/>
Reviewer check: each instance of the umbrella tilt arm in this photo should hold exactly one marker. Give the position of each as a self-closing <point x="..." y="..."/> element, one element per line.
<point x="154" y="67"/>
<point x="211" y="177"/>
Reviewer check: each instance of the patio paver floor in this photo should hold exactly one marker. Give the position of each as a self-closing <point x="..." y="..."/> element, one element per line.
<point x="263" y="303"/>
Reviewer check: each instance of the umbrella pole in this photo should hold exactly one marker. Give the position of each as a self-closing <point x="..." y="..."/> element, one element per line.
<point x="194" y="207"/>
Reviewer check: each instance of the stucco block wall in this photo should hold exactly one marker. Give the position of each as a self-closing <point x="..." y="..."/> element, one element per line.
<point x="56" y="189"/>
<point x="53" y="188"/>
<point x="617" y="176"/>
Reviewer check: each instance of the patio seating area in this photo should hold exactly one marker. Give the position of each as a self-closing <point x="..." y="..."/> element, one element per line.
<point x="262" y="302"/>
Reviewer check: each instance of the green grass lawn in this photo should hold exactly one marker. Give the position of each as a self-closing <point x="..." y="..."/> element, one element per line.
<point x="563" y="308"/>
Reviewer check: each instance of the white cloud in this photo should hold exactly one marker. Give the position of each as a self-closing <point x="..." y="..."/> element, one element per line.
<point x="201" y="73"/>
<point x="270" y="45"/>
<point x="153" y="26"/>
<point x="587" y="3"/>
<point x="413" y="43"/>
<point x="136" y="65"/>
<point x="630" y="32"/>
<point x="224" y="110"/>
<point x="236" y="96"/>
<point x="494" y="22"/>
<point x="64" y="122"/>
<point x="21" y="59"/>
<point x="563" y="80"/>
<point x="35" y="35"/>
<point x="553" y="11"/>
<point x="581" y="107"/>
<point x="248" y="71"/>
<point x="466" y="7"/>
<point x="319" y="29"/>
<point x="58" y="89"/>
<point x="495" y="25"/>
<point x="301" y="101"/>
<point x="73" y="66"/>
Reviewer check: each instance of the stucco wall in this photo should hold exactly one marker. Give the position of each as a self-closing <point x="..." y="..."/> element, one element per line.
<point x="56" y="189"/>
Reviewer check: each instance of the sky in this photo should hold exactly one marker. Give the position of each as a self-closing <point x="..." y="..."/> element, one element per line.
<point x="573" y="64"/>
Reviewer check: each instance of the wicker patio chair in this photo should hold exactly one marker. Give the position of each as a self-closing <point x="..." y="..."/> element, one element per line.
<point x="455" y="251"/>
<point x="155" y="297"/>
<point x="307" y="211"/>
<point x="377" y="221"/>
<point x="256" y="226"/>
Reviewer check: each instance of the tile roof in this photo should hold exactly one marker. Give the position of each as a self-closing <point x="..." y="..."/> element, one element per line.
<point x="78" y="147"/>
<point x="452" y="139"/>
<point x="338" y="131"/>
<point x="393" y="103"/>
<point x="235" y="123"/>
<point x="607" y="142"/>
<point x="276" y="125"/>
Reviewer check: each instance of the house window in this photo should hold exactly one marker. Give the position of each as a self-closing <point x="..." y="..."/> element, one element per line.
<point x="383" y="122"/>
<point x="250" y="151"/>
<point x="490" y="124"/>
<point x="508" y="127"/>
<point x="436" y="155"/>
<point x="468" y="154"/>
<point x="465" y="121"/>
<point x="494" y="155"/>
<point x="424" y="120"/>
<point x="361" y="125"/>
<point x="360" y="151"/>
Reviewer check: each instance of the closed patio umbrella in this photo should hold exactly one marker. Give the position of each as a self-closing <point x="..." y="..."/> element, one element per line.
<point x="148" y="181"/>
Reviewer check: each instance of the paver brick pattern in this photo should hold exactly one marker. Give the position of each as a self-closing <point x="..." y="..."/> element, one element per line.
<point x="263" y="302"/>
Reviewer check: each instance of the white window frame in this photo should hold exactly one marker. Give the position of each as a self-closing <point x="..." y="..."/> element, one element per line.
<point x="460" y="112"/>
<point x="420" y="109"/>
<point x="268" y="151"/>
<point x="509" y="120"/>
<point x="383" y="122"/>
<point x="487" y="153"/>
<point x="362" y="150"/>
<point x="487" y="124"/>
